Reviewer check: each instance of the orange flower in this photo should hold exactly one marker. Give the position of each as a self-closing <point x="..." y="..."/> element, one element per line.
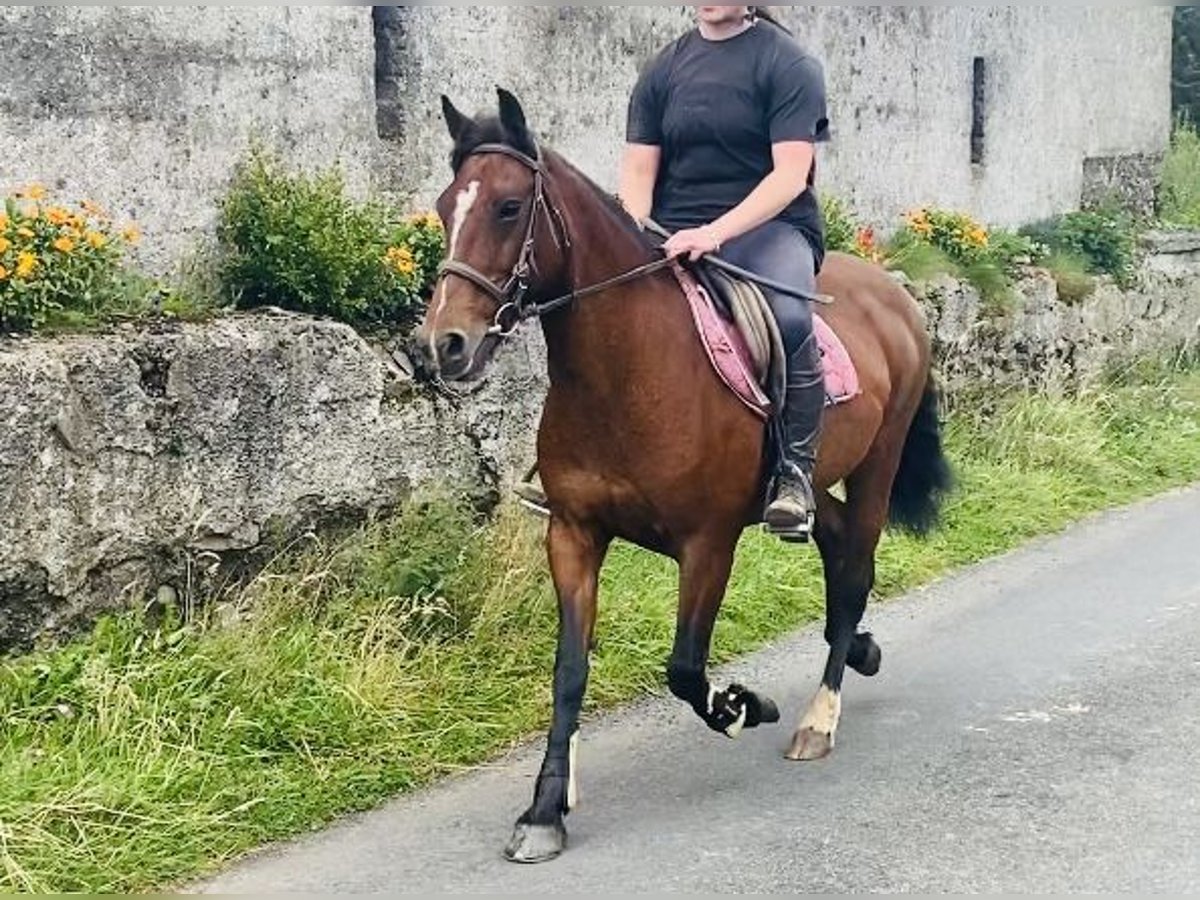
<point x="56" y="215"/>
<point x="131" y="234"/>
<point x="64" y="245"/>
<point x="3" y="273"/>
<point x="5" y="243"/>
<point x="95" y="239"/>
<point x="918" y="222"/>
<point x="33" y="192"/>
<point x="3" y="220"/>
<point x="26" y="263"/>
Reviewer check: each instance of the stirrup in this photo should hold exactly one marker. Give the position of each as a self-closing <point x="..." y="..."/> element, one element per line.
<point x="793" y="534"/>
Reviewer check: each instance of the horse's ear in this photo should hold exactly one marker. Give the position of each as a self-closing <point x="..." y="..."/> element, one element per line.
<point x="455" y="120"/>
<point x="511" y="114"/>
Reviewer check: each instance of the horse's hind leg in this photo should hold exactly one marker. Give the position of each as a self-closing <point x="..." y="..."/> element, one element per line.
<point x="847" y="541"/>
<point x="704" y="567"/>
<point x="575" y="557"/>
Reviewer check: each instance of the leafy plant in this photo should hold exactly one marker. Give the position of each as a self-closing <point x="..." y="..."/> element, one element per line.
<point x="296" y="241"/>
<point x="840" y="226"/>
<point x="57" y="263"/>
<point x="1105" y="238"/>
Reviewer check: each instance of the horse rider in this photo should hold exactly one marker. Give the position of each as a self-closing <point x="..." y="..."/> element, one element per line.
<point x="720" y="149"/>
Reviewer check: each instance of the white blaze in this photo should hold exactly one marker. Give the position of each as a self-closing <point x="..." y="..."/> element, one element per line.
<point x="462" y="208"/>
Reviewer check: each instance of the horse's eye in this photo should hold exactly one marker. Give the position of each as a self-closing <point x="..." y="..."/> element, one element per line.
<point x="509" y="210"/>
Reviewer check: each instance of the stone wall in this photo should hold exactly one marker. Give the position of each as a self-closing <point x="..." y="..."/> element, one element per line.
<point x="138" y="459"/>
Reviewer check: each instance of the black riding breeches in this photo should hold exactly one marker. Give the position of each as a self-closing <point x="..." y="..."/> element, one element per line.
<point x="782" y="253"/>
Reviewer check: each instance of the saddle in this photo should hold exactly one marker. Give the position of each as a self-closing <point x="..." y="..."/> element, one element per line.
<point x="744" y="345"/>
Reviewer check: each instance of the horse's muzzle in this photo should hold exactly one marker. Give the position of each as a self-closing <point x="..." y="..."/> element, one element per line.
<point x="453" y="355"/>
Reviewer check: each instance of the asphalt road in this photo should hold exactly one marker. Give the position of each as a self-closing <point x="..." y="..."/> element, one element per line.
<point x="1036" y="727"/>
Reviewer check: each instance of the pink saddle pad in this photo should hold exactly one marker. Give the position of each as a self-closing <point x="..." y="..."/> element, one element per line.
<point x="730" y="356"/>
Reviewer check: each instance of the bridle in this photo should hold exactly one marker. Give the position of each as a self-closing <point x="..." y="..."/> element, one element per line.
<point x="512" y="297"/>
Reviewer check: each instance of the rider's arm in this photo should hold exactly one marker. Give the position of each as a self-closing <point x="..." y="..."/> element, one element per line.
<point x="788" y="180"/>
<point x="639" y="171"/>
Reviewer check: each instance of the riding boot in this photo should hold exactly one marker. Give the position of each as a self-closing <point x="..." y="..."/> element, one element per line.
<point x="791" y="513"/>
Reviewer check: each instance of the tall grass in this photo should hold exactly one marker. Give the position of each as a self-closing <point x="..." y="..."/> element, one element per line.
<point x="1181" y="178"/>
<point x="146" y="753"/>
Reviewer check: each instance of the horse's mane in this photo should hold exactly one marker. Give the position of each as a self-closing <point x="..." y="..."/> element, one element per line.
<point x="492" y="131"/>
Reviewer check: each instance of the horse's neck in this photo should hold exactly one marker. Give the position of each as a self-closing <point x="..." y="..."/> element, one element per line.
<point x="606" y="342"/>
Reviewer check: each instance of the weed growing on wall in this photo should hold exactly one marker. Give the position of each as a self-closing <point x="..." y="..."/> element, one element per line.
<point x="1180" y="203"/>
<point x="59" y="261"/>
<point x="1105" y="238"/>
<point x="297" y="241"/>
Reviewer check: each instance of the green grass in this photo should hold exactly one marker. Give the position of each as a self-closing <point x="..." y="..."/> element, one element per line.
<point x="1180" y="196"/>
<point x="1071" y="277"/>
<point x="151" y="751"/>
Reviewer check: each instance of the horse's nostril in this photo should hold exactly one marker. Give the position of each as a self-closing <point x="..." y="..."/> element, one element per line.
<point x="452" y="346"/>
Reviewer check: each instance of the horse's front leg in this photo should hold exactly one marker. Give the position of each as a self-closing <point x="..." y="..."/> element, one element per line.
<point x="576" y="554"/>
<point x="704" y="567"/>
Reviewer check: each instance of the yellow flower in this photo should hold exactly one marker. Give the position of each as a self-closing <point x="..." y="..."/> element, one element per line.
<point x="918" y="221"/>
<point x="33" y="192"/>
<point x="3" y="220"/>
<point x="5" y="243"/>
<point x="56" y="215"/>
<point x="24" y="232"/>
<point x="26" y="263"/>
<point x="95" y="239"/>
<point x="3" y="273"/>
<point x="64" y="245"/>
<point x="400" y="259"/>
<point x="130" y="234"/>
<point x="978" y="237"/>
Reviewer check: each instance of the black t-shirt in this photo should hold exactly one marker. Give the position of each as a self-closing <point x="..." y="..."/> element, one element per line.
<point x="715" y="108"/>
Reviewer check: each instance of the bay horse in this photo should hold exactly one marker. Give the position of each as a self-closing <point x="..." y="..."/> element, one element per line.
<point x="639" y="439"/>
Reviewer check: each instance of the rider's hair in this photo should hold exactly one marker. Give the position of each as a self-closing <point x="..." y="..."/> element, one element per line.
<point x="765" y="13"/>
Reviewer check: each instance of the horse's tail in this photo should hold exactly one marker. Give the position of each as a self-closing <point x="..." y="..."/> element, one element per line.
<point x="924" y="476"/>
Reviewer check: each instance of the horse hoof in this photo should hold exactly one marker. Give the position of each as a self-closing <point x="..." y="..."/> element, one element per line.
<point x="532" y="844"/>
<point x="867" y="662"/>
<point x="809" y="745"/>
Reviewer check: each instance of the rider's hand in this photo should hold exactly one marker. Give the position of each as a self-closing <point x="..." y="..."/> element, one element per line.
<point x="693" y="241"/>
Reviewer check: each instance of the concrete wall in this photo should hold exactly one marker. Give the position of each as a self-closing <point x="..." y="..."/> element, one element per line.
<point x="146" y="109"/>
<point x="1062" y="85"/>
